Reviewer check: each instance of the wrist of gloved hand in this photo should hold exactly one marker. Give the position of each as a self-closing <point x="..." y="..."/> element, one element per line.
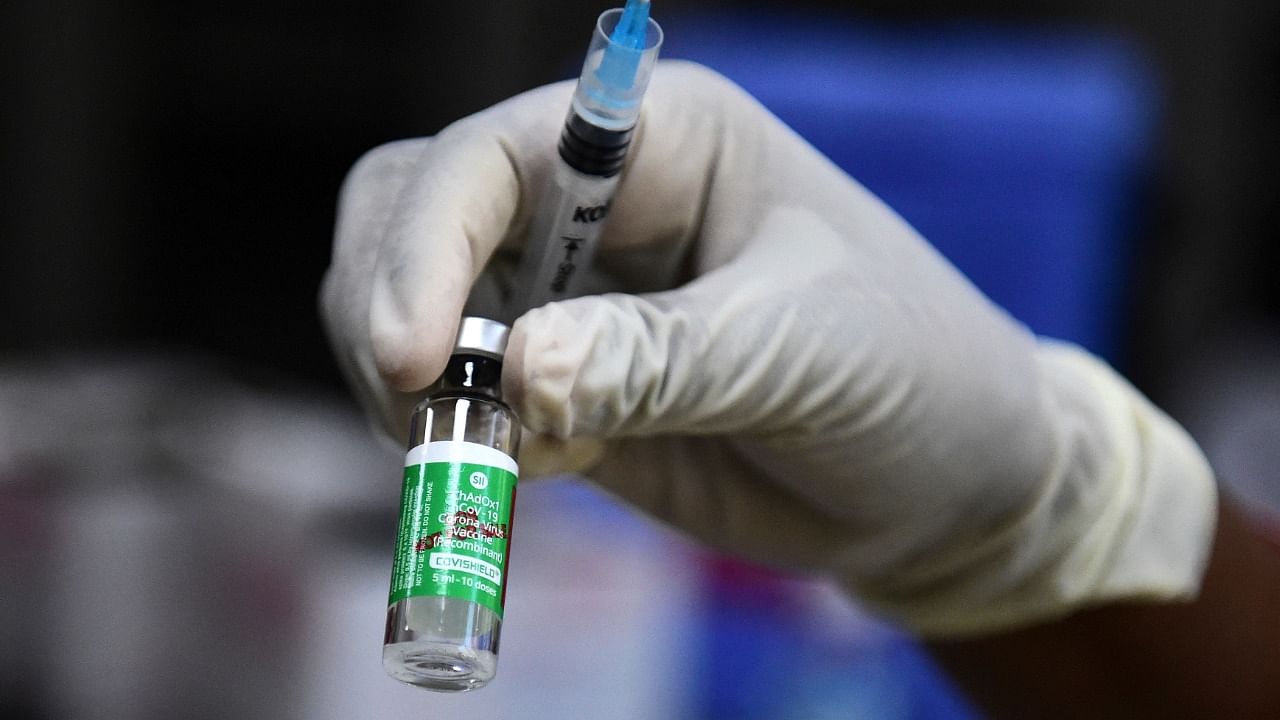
<point x="1126" y="512"/>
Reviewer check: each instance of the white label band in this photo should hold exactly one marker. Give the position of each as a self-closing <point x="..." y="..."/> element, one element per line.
<point x="452" y="451"/>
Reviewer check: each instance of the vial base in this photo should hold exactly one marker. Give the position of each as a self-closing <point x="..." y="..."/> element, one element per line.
<point x="441" y="643"/>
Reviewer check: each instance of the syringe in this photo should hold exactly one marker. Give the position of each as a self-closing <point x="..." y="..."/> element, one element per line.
<point x="593" y="146"/>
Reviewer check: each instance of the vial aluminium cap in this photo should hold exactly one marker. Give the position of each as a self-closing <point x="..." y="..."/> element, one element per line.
<point x="482" y="336"/>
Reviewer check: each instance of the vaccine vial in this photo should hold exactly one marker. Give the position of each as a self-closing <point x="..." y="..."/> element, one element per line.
<point x="449" y="577"/>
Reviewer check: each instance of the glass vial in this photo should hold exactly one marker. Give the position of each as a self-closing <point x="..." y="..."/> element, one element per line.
<point x="448" y="581"/>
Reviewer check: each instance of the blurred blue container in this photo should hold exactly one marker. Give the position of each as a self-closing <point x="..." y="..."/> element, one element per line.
<point x="1021" y="154"/>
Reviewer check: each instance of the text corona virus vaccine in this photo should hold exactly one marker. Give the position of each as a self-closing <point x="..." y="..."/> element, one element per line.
<point x="449" y="576"/>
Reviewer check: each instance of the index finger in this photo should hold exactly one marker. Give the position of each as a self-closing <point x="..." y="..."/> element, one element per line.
<point x="468" y="194"/>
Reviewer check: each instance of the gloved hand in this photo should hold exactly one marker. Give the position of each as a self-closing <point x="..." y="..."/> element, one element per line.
<point x="786" y="371"/>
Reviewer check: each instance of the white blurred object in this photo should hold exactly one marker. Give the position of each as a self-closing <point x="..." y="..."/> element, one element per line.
<point x="160" y="602"/>
<point x="95" y="419"/>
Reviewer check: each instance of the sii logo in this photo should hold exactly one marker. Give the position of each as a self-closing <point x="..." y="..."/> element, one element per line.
<point x="590" y="214"/>
<point x="479" y="480"/>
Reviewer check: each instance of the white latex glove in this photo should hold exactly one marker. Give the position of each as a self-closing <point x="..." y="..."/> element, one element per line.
<point x="794" y="375"/>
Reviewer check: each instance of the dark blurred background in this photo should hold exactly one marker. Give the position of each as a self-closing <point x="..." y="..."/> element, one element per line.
<point x="170" y="170"/>
<point x="169" y="179"/>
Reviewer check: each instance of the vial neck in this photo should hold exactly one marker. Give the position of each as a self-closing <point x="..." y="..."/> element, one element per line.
<point x="473" y="374"/>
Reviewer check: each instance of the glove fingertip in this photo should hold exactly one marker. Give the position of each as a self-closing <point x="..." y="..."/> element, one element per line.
<point x="409" y="353"/>
<point x="533" y="377"/>
<point x="590" y="365"/>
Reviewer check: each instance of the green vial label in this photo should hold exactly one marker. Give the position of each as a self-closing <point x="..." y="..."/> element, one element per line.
<point x="455" y="524"/>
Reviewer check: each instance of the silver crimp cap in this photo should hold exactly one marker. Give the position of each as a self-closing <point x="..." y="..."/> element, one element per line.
<point x="482" y="336"/>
